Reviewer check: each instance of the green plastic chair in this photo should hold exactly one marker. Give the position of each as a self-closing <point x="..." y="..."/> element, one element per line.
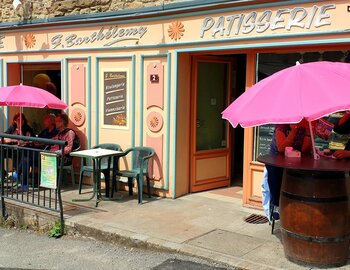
<point x="138" y="171"/>
<point x="106" y="165"/>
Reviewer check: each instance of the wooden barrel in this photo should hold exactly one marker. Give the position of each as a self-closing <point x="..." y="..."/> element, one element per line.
<point x="314" y="209"/>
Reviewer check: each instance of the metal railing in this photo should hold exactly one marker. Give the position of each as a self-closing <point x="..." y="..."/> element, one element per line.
<point x="20" y="173"/>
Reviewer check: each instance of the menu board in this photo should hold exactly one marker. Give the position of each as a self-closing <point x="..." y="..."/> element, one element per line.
<point x="263" y="139"/>
<point x="48" y="170"/>
<point x="115" y="103"/>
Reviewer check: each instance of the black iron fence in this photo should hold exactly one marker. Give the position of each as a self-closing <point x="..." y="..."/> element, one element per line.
<point x="21" y="172"/>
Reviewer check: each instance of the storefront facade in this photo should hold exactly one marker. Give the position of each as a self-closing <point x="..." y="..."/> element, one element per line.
<point x="162" y="81"/>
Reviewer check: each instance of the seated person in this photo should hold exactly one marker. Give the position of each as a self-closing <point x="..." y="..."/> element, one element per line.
<point x="19" y="120"/>
<point x="343" y="127"/>
<point x="48" y="132"/>
<point x="50" y="129"/>
<point x="65" y="134"/>
<point x="294" y="135"/>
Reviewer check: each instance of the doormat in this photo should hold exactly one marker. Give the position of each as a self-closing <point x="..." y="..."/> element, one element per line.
<point x="256" y="219"/>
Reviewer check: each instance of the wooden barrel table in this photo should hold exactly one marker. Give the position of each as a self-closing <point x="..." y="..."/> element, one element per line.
<point x="314" y="209"/>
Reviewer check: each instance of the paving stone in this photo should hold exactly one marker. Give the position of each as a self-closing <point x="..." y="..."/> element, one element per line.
<point x="227" y="242"/>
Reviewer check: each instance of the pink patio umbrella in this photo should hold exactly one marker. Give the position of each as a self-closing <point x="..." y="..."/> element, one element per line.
<point x="28" y="96"/>
<point x="309" y="91"/>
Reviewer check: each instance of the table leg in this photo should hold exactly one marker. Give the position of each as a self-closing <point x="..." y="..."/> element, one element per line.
<point x="98" y="180"/>
<point x="97" y="185"/>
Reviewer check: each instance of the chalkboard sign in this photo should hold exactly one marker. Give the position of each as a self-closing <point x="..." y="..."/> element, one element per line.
<point x="263" y="139"/>
<point x="115" y="87"/>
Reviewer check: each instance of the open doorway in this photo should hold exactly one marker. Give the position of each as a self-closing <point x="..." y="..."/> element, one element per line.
<point x="237" y="134"/>
<point x="46" y="76"/>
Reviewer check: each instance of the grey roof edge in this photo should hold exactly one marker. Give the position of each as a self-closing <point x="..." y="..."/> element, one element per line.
<point x="123" y="14"/>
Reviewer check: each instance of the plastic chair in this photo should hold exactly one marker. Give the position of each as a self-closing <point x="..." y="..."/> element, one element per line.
<point x="139" y="169"/>
<point x="106" y="165"/>
<point x="69" y="168"/>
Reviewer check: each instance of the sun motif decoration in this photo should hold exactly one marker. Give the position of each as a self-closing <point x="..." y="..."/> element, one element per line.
<point x="176" y="30"/>
<point x="29" y="40"/>
<point x="78" y="117"/>
<point x="155" y="121"/>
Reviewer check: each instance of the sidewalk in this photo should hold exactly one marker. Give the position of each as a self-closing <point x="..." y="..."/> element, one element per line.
<point x="206" y="224"/>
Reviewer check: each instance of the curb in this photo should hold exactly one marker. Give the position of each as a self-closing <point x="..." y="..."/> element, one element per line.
<point x="143" y="241"/>
<point x="31" y="216"/>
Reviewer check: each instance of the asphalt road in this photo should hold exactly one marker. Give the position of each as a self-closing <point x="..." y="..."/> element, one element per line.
<point x="24" y="250"/>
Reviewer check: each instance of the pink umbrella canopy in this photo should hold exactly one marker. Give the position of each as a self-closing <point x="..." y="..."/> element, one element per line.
<point x="28" y="96"/>
<point x="309" y="91"/>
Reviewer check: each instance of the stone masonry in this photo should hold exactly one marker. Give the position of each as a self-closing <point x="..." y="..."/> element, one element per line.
<point x="43" y="9"/>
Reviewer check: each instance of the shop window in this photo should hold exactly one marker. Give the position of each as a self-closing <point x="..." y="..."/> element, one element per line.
<point x="269" y="63"/>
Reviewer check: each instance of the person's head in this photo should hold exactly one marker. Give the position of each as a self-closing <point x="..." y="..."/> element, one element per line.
<point x="17" y="118"/>
<point x="61" y="121"/>
<point x="50" y="87"/>
<point x="49" y="121"/>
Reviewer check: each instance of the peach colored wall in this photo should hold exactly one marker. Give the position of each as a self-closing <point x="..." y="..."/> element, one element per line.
<point x="77" y="108"/>
<point x="155" y="126"/>
<point x="183" y="125"/>
<point x="157" y="33"/>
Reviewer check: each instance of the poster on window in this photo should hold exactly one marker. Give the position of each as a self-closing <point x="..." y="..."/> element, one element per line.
<point x="48" y="170"/>
<point x="115" y="98"/>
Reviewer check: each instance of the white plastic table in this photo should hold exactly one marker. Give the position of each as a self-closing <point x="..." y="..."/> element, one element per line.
<point x="96" y="155"/>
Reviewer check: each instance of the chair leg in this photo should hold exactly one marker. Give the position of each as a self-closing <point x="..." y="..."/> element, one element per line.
<point x="130" y="186"/>
<point x="81" y="180"/>
<point x="107" y="180"/>
<point x="148" y="187"/>
<point x="113" y="186"/>
<point x="72" y="175"/>
<point x="139" y="188"/>
<point x="114" y="183"/>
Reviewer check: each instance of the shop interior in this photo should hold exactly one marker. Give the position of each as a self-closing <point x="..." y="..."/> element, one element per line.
<point x="46" y="76"/>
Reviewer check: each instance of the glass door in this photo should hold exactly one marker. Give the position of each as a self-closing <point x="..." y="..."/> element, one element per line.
<point x="210" y="149"/>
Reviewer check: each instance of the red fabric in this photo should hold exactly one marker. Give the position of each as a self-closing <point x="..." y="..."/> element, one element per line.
<point x="68" y="137"/>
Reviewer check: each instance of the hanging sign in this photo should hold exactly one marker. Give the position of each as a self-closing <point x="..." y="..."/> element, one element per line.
<point x="48" y="170"/>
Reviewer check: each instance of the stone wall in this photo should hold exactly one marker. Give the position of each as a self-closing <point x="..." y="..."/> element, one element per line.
<point x="42" y="9"/>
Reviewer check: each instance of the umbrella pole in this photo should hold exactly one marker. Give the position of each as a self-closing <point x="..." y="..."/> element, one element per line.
<point x="20" y="121"/>
<point x="316" y="156"/>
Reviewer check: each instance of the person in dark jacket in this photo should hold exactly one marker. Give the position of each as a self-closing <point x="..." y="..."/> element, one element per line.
<point x="17" y="121"/>
<point x="50" y="129"/>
